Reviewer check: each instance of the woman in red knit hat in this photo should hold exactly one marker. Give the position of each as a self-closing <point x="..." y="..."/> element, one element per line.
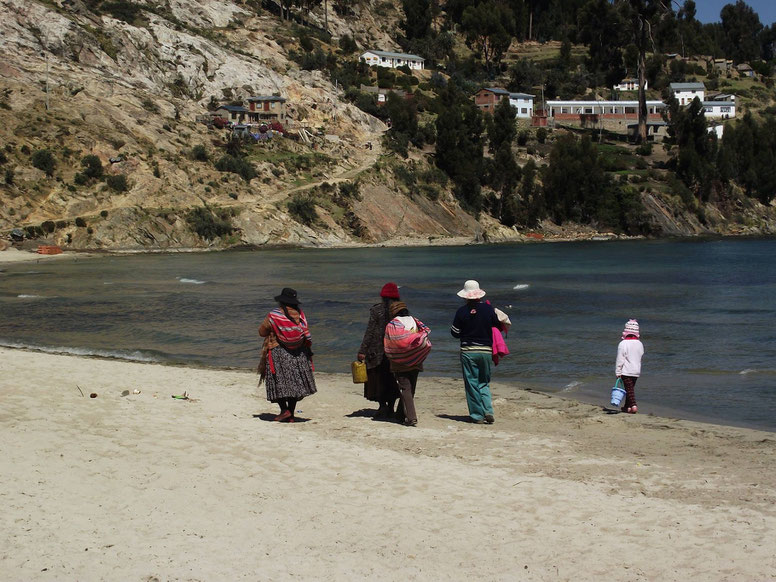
<point x="380" y="385"/>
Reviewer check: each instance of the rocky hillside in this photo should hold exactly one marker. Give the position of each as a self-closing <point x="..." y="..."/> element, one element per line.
<point x="79" y="83"/>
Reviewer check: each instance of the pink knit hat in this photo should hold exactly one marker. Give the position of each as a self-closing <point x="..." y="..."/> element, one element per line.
<point x="631" y="328"/>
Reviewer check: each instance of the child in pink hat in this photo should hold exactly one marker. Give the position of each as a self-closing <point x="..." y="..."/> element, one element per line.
<point x="628" y="364"/>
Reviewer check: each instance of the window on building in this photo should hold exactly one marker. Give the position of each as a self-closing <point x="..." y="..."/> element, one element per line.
<point x="523" y="110"/>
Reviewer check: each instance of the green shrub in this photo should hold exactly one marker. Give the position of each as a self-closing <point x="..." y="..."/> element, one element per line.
<point x="522" y="138"/>
<point x="92" y="166"/>
<point x="149" y="105"/>
<point x="80" y="222"/>
<point x="210" y="223"/>
<point x="34" y="231"/>
<point x="117" y="183"/>
<point x="644" y="149"/>
<point x="302" y="208"/>
<point x="541" y="135"/>
<point x="104" y="213"/>
<point x="347" y="44"/>
<point x="44" y="160"/>
<point x="3" y="158"/>
<point x="236" y="165"/>
<point x="80" y="179"/>
<point x="9" y="176"/>
<point x="350" y="191"/>
<point x="61" y="223"/>
<point x="125" y="11"/>
<point x="199" y="153"/>
<point x="48" y="226"/>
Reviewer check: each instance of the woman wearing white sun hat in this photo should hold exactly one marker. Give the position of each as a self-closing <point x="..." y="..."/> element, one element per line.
<point x="473" y="325"/>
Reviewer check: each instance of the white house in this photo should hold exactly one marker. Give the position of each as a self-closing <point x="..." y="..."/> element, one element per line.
<point x="523" y="104"/>
<point x="719" y="109"/>
<point x="392" y="60"/>
<point x="630" y="84"/>
<point x="686" y="92"/>
<point x="487" y="99"/>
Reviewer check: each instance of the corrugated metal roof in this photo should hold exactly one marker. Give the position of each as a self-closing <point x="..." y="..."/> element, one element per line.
<point x="687" y="86"/>
<point x="395" y="55"/>
<point x="235" y="108"/>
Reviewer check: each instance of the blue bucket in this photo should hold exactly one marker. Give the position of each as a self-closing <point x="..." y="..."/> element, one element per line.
<point x="618" y="393"/>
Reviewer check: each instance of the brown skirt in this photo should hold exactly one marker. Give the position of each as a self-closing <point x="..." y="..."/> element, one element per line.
<point x="380" y="383"/>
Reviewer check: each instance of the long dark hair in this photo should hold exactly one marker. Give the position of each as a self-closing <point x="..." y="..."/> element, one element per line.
<point x="387" y="308"/>
<point x="285" y="306"/>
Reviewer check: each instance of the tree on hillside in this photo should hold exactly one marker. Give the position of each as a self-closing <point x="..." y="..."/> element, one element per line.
<point x="742" y="27"/>
<point x="602" y="29"/>
<point x="417" y="18"/>
<point x="459" y="144"/>
<point x="501" y="125"/>
<point x="748" y="155"/>
<point x="488" y="28"/>
<point x="697" y="148"/>
<point x="644" y="17"/>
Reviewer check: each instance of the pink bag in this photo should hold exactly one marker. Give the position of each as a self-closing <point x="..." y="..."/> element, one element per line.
<point x="499" y="346"/>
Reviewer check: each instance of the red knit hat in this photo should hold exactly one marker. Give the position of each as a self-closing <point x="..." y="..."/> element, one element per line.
<point x="390" y="290"/>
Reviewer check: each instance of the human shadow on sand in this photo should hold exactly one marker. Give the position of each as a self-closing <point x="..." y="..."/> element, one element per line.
<point x="269" y="417"/>
<point x="455" y="417"/>
<point x="362" y="413"/>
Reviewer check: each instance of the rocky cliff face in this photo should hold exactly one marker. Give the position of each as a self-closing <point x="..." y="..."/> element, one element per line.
<point x="77" y="83"/>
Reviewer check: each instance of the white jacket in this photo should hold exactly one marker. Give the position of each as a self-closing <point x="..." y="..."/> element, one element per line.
<point x="629" y="354"/>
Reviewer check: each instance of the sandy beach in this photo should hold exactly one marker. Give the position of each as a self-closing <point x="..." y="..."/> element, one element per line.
<point x="147" y="487"/>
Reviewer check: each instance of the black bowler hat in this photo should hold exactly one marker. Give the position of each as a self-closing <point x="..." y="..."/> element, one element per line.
<point x="287" y="296"/>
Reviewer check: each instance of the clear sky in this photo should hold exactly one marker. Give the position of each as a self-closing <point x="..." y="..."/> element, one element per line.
<point x="708" y="10"/>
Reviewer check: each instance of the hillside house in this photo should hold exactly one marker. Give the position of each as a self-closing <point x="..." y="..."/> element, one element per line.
<point x="382" y="94"/>
<point x="629" y="84"/>
<point x="233" y="113"/>
<point x="392" y="60"/>
<point x="267" y="108"/>
<point x="722" y="65"/>
<point x="487" y="99"/>
<point x="592" y="111"/>
<point x="686" y="92"/>
<point x="744" y="70"/>
<point x="719" y="109"/>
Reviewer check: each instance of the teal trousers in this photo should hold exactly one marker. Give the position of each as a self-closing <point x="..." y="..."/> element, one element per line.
<point x="476" y="378"/>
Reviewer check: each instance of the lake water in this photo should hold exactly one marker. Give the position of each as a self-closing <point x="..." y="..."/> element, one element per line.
<point x="706" y="310"/>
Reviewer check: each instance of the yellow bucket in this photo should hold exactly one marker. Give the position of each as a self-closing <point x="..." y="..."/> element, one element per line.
<point x="358" y="369"/>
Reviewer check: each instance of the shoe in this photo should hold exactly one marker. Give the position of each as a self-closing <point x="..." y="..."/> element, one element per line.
<point x="480" y="421"/>
<point x="285" y="415"/>
<point x="411" y="422"/>
<point x="489" y="419"/>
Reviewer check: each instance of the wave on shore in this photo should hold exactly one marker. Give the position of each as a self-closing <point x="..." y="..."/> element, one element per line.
<point x="132" y="356"/>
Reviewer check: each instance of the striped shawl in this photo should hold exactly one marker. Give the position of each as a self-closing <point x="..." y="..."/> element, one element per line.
<point x="406" y="349"/>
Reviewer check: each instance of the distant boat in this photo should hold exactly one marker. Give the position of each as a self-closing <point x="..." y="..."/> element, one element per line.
<point x="601" y="237"/>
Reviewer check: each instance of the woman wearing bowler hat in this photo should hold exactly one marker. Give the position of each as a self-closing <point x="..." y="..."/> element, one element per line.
<point x="286" y="361"/>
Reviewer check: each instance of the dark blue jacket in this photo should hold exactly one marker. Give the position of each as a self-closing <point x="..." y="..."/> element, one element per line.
<point x="474" y="324"/>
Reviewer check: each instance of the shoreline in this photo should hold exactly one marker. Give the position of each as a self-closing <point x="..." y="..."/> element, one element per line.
<point x="154" y="487"/>
<point x="513" y="387"/>
<point x="20" y="256"/>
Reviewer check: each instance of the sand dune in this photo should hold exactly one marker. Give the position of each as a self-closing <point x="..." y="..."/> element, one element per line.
<point x="146" y="487"/>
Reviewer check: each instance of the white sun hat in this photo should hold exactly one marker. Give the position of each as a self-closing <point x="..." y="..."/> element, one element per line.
<point x="471" y="290"/>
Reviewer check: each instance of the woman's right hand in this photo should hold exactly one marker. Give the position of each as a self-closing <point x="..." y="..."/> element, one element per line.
<point x="361" y="357"/>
